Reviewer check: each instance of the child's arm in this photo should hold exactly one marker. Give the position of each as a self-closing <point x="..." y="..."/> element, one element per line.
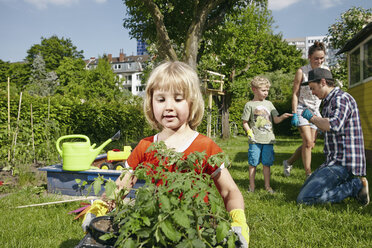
<point x="278" y="119"/>
<point x="234" y="204"/>
<point x="126" y="181"/>
<point x="248" y="130"/>
<point x="229" y="191"/>
<point x="123" y="181"/>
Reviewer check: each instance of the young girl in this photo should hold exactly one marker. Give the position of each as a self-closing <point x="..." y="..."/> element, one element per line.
<point x="174" y="105"/>
<point x="303" y="98"/>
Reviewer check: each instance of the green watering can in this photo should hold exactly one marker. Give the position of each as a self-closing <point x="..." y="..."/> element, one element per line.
<point x="78" y="156"/>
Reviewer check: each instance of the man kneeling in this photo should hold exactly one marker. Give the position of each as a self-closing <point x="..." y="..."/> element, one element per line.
<point x="343" y="173"/>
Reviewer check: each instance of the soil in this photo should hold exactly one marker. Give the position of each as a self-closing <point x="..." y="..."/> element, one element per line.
<point x="104" y="225"/>
<point x="9" y="179"/>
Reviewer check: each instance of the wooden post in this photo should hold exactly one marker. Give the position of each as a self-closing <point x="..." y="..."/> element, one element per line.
<point x="211" y="92"/>
<point x="9" y="116"/>
<point x="209" y="116"/>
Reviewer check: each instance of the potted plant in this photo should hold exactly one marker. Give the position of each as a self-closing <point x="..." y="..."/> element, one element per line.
<point x="179" y="206"/>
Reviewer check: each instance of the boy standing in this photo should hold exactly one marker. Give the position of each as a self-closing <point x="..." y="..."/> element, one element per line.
<point x="257" y="117"/>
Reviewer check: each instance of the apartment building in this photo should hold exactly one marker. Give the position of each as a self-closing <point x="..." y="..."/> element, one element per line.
<point x="303" y="44"/>
<point x="129" y="70"/>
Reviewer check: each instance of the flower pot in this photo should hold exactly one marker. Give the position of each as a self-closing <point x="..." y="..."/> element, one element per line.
<point x="103" y="225"/>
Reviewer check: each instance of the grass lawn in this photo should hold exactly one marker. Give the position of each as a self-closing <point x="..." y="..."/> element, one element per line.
<point x="274" y="220"/>
<point x="277" y="221"/>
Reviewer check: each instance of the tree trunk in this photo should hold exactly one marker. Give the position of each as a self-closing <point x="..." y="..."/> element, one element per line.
<point x="225" y="119"/>
<point x="195" y="31"/>
<point x="164" y="43"/>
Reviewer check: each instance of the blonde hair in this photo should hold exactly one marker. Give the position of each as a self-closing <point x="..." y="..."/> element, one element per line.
<point x="258" y="82"/>
<point x="175" y="76"/>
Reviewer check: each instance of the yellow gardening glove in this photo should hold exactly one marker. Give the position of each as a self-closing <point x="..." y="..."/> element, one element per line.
<point x="250" y="135"/>
<point x="240" y="227"/>
<point x="98" y="208"/>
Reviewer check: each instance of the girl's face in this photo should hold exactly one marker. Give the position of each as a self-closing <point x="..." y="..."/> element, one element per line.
<point x="317" y="59"/>
<point x="170" y="109"/>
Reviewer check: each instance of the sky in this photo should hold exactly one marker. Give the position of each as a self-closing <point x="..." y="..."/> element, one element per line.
<point x="96" y="26"/>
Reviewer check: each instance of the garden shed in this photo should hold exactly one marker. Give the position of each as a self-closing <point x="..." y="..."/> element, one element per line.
<point x="359" y="61"/>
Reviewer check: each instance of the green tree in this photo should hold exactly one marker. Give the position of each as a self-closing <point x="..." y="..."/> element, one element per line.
<point x="349" y="24"/>
<point x="72" y="75"/>
<point x="70" y="71"/>
<point x="53" y="50"/>
<point x="18" y="74"/>
<point x="4" y="70"/>
<point x="177" y="27"/>
<point x="101" y="82"/>
<point x="244" y="46"/>
<point x="42" y="83"/>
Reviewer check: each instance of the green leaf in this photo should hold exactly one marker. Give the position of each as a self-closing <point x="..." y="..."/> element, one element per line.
<point x="146" y="220"/>
<point x="186" y="243"/>
<point x="144" y="233"/>
<point x="97" y="187"/>
<point x="181" y="218"/>
<point x="231" y="241"/>
<point x="197" y="243"/>
<point x="222" y="231"/>
<point x="129" y="243"/>
<point x="169" y="231"/>
<point x="165" y="203"/>
<point x="110" y="188"/>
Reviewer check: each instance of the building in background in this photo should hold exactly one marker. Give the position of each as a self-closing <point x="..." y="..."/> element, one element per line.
<point x="141" y="48"/>
<point x="303" y="44"/>
<point x="359" y="63"/>
<point x="129" y="70"/>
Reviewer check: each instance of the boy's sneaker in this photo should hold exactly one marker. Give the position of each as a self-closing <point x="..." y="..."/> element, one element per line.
<point x="363" y="195"/>
<point x="270" y="190"/>
<point x="287" y="168"/>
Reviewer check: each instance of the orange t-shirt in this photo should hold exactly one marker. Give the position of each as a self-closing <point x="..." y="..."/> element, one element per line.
<point x="198" y="142"/>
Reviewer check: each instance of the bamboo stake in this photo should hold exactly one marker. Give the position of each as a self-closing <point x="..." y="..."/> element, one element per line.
<point x="9" y="116"/>
<point x="57" y="202"/>
<point x="18" y="117"/>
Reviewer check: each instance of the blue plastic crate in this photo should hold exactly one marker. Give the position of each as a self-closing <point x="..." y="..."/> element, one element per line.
<point x="63" y="182"/>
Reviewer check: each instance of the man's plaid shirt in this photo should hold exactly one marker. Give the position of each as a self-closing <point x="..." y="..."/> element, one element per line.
<point x="343" y="144"/>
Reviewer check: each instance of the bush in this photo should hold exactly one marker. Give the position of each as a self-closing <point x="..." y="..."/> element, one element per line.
<point x="56" y="116"/>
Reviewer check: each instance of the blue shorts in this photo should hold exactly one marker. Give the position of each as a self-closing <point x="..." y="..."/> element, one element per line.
<point x="261" y="153"/>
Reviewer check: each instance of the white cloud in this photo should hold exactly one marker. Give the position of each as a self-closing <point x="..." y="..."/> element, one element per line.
<point x="43" y="4"/>
<point x="321" y="4"/>
<point x="281" y="4"/>
<point x="325" y="4"/>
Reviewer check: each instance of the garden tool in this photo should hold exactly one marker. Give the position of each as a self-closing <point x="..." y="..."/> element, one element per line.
<point x="78" y="156"/>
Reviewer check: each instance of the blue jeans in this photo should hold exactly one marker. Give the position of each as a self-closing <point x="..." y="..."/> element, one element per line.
<point x="329" y="184"/>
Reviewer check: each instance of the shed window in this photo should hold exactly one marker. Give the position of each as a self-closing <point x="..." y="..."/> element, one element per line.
<point x="355" y="67"/>
<point x="367" y="60"/>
